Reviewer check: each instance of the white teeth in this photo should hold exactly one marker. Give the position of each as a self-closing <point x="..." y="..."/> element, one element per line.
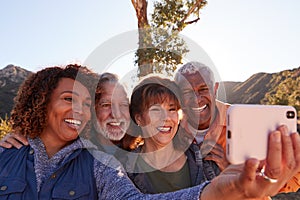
<point x="164" y="129"/>
<point x="199" y="109"/>
<point x="115" y="123"/>
<point x="73" y="121"/>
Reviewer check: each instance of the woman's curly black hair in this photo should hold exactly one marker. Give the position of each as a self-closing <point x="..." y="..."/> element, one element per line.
<point x="29" y="115"/>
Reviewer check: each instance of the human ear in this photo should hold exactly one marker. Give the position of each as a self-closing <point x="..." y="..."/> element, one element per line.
<point x="138" y="119"/>
<point x="216" y="88"/>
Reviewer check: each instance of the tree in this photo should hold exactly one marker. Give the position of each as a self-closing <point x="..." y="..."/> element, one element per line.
<point x="160" y="47"/>
<point x="287" y="92"/>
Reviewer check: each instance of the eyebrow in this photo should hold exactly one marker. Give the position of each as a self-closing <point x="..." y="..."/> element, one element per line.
<point x="72" y="92"/>
<point x="103" y="100"/>
<point x="204" y="85"/>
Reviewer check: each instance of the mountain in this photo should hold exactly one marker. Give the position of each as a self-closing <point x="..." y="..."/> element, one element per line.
<point x="255" y="89"/>
<point x="250" y="91"/>
<point x="11" y="77"/>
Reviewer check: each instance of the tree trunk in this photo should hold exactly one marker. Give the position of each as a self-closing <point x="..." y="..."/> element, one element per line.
<point x="140" y="7"/>
<point x="144" y="63"/>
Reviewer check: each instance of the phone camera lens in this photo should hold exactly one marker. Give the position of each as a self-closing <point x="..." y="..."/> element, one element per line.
<point x="228" y="134"/>
<point x="290" y="114"/>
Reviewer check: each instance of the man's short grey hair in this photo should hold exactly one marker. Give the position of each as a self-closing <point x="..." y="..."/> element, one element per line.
<point x="192" y="68"/>
<point x="108" y="77"/>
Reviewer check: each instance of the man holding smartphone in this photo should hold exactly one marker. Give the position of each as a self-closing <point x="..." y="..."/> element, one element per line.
<point x="205" y="116"/>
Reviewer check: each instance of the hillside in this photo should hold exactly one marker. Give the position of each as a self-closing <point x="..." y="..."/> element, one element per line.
<point x="255" y="89"/>
<point x="11" y="77"/>
<point x="258" y="89"/>
<point x="251" y="91"/>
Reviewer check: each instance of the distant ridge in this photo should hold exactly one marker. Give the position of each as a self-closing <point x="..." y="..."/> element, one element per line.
<point x="254" y="90"/>
<point x="11" y="77"/>
<point x="251" y="91"/>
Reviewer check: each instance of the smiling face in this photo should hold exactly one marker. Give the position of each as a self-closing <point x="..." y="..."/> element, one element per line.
<point x="198" y="98"/>
<point x="112" y="110"/>
<point x="159" y="123"/>
<point x="68" y="111"/>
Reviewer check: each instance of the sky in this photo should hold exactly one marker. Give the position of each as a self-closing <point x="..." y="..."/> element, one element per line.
<point x="240" y="37"/>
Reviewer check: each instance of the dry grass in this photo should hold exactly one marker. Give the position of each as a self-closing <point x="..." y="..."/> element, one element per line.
<point x="5" y="127"/>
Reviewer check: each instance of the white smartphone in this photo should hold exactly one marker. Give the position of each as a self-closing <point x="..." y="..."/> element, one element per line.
<point x="248" y="127"/>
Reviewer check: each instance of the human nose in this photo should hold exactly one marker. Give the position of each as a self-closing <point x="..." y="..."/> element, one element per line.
<point x="81" y="108"/>
<point x="199" y="96"/>
<point x="165" y="114"/>
<point x="116" y="111"/>
<point x="198" y="99"/>
<point x="78" y="107"/>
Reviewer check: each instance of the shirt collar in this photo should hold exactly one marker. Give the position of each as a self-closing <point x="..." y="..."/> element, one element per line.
<point x="222" y="109"/>
<point x="220" y="120"/>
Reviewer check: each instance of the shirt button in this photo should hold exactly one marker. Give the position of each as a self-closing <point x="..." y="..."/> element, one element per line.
<point x="53" y="176"/>
<point x="31" y="151"/>
<point x="3" y="188"/>
<point x="71" y="192"/>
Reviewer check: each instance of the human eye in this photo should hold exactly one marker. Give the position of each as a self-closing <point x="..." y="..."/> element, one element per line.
<point x="155" y="108"/>
<point x="173" y="109"/>
<point x="88" y="104"/>
<point x="105" y="105"/>
<point x="125" y="104"/>
<point x="203" y="90"/>
<point x="68" y="98"/>
<point x="188" y="93"/>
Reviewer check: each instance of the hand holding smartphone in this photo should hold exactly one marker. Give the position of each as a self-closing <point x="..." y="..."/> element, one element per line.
<point x="248" y="127"/>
